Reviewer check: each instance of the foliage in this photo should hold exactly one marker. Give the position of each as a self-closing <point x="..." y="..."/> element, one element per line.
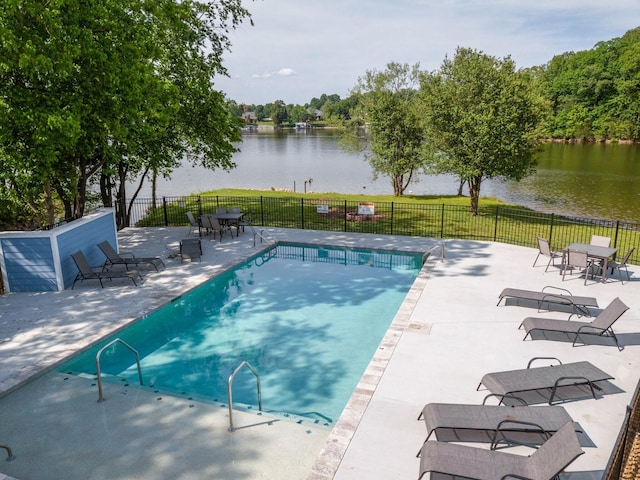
<point x="109" y="89"/>
<point x="483" y="116"/>
<point x="595" y="94"/>
<point x="395" y="141"/>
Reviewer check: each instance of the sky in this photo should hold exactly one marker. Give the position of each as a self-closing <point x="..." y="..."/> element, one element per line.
<point x="300" y="49"/>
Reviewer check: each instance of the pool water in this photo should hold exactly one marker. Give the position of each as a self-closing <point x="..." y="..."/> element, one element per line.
<point x="308" y="319"/>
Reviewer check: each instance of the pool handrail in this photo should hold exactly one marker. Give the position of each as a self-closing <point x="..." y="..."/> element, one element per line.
<point x="244" y="363"/>
<point x="135" y="352"/>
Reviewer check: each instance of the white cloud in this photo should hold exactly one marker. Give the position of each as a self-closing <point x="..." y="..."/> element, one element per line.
<point x="286" y="72"/>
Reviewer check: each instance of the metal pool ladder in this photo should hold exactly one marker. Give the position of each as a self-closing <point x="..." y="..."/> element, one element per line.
<point x="244" y="363"/>
<point x="117" y="340"/>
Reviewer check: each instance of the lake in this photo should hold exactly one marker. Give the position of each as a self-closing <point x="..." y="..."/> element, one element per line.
<point x="587" y="180"/>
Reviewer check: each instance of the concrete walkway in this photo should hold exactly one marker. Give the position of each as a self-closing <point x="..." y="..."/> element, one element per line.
<point x="445" y="337"/>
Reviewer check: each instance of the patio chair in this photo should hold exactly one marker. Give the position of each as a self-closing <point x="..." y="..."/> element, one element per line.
<point x="600" y="325"/>
<point x="193" y="224"/>
<point x="550" y="296"/>
<point x="446" y="460"/>
<point x="113" y="258"/>
<point x="85" y="272"/>
<point x="580" y="260"/>
<point x="212" y="226"/>
<point x="454" y="422"/>
<point x="221" y="210"/>
<point x="553" y="377"/>
<point x="600" y="241"/>
<point x="190" y="248"/>
<point x="613" y="265"/>
<point x="544" y="249"/>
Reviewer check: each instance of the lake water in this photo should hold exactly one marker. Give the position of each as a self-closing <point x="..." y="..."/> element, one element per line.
<point x="600" y="181"/>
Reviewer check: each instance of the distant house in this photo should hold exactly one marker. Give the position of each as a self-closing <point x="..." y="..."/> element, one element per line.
<point x="317" y="114"/>
<point x="249" y="117"/>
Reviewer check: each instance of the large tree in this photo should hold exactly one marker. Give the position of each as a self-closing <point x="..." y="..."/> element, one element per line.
<point x="484" y="117"/>
<point x="394" y="137"/>
<point x="112" y="90"/>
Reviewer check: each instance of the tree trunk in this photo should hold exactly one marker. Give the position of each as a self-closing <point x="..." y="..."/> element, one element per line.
<point x="48" y="203"/>
<point x="461" y="186"/>
<point x="474" y="192"/>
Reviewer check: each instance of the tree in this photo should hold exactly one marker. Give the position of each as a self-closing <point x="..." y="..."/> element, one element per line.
<point x="394" y="135"/>
<point x="279" y="113"/>
<point x="112" y="90"/>
<point x="484" y="117"/>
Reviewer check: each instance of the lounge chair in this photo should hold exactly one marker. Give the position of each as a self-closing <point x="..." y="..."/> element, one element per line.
<point x="544" y="249"/>
<point x="85" y="272"/>
<point x="600" y="325"/>
<point x="446" y="460"/>
<point x="512" y="382"/>
<point x="113" y="258"/>
<point x="551" y="296"/>
<point x="493" y="424"/>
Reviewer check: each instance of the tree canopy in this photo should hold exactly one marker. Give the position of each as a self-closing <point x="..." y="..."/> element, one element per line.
<point x="483" y="117"/>
<point x="393" y="134"/>
<point x="107" y="91"/>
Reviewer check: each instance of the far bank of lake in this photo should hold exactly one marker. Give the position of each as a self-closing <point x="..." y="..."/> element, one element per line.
<point x="587" y="180"/>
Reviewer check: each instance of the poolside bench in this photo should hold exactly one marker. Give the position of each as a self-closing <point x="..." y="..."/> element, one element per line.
<point x="190" y="248"/>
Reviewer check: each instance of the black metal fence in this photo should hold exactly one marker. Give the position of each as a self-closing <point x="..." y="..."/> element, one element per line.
<point x="513" y="225"/>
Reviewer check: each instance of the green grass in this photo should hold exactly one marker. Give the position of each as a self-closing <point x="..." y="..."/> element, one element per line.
<point x="411" y="215"/>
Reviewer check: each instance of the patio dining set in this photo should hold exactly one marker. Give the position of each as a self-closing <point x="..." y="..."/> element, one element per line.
<point x="596" y="258"/>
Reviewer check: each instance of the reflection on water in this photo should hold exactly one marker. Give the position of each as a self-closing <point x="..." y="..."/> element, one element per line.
<point x="579" y="179"/>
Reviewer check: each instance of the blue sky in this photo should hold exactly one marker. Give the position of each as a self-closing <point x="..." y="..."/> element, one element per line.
<point x="300" y="49"/>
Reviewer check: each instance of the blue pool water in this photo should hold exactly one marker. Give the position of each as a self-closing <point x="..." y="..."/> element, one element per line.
<point x="307" y="318"/>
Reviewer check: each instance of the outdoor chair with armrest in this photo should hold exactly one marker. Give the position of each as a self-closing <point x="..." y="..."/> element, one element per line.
<point x="613" y="265"/>
<point x="600" y="241"/>
<point x="446" y="460"/>
<point x="578" y="259"/>
<point x="544" y="249"/>
<point x="601" y="325"/>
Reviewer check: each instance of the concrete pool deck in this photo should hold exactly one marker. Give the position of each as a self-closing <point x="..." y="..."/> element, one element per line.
<point x="446" y="336"/>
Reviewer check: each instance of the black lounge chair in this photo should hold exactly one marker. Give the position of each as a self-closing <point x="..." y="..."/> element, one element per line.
<point x="554" y="377"/>
<point x="85" y="272"/>
<point x="446" y="460"/>
<point x="454" y="422"/>
<point x="113" y="258"/>
<point x="551" y="296"/>
<point x="600" y="325"/>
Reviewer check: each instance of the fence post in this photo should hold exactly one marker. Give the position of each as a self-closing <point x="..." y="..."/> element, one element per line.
<point x="164" y="208"/>
<point x="392" y="218"/>
<point x="551" y="229"/>
<point x="345" y="215"/>
<point x="615" y="238"/>
<point x="495" y="227"/>
<point x="442" y="222"/>
<point x="302" y="211"/>
<point x="199" y="202"/>
<point x="261" y="210"/>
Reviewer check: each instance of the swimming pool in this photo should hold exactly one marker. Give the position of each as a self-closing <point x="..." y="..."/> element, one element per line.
<point x="307" y="318"/>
